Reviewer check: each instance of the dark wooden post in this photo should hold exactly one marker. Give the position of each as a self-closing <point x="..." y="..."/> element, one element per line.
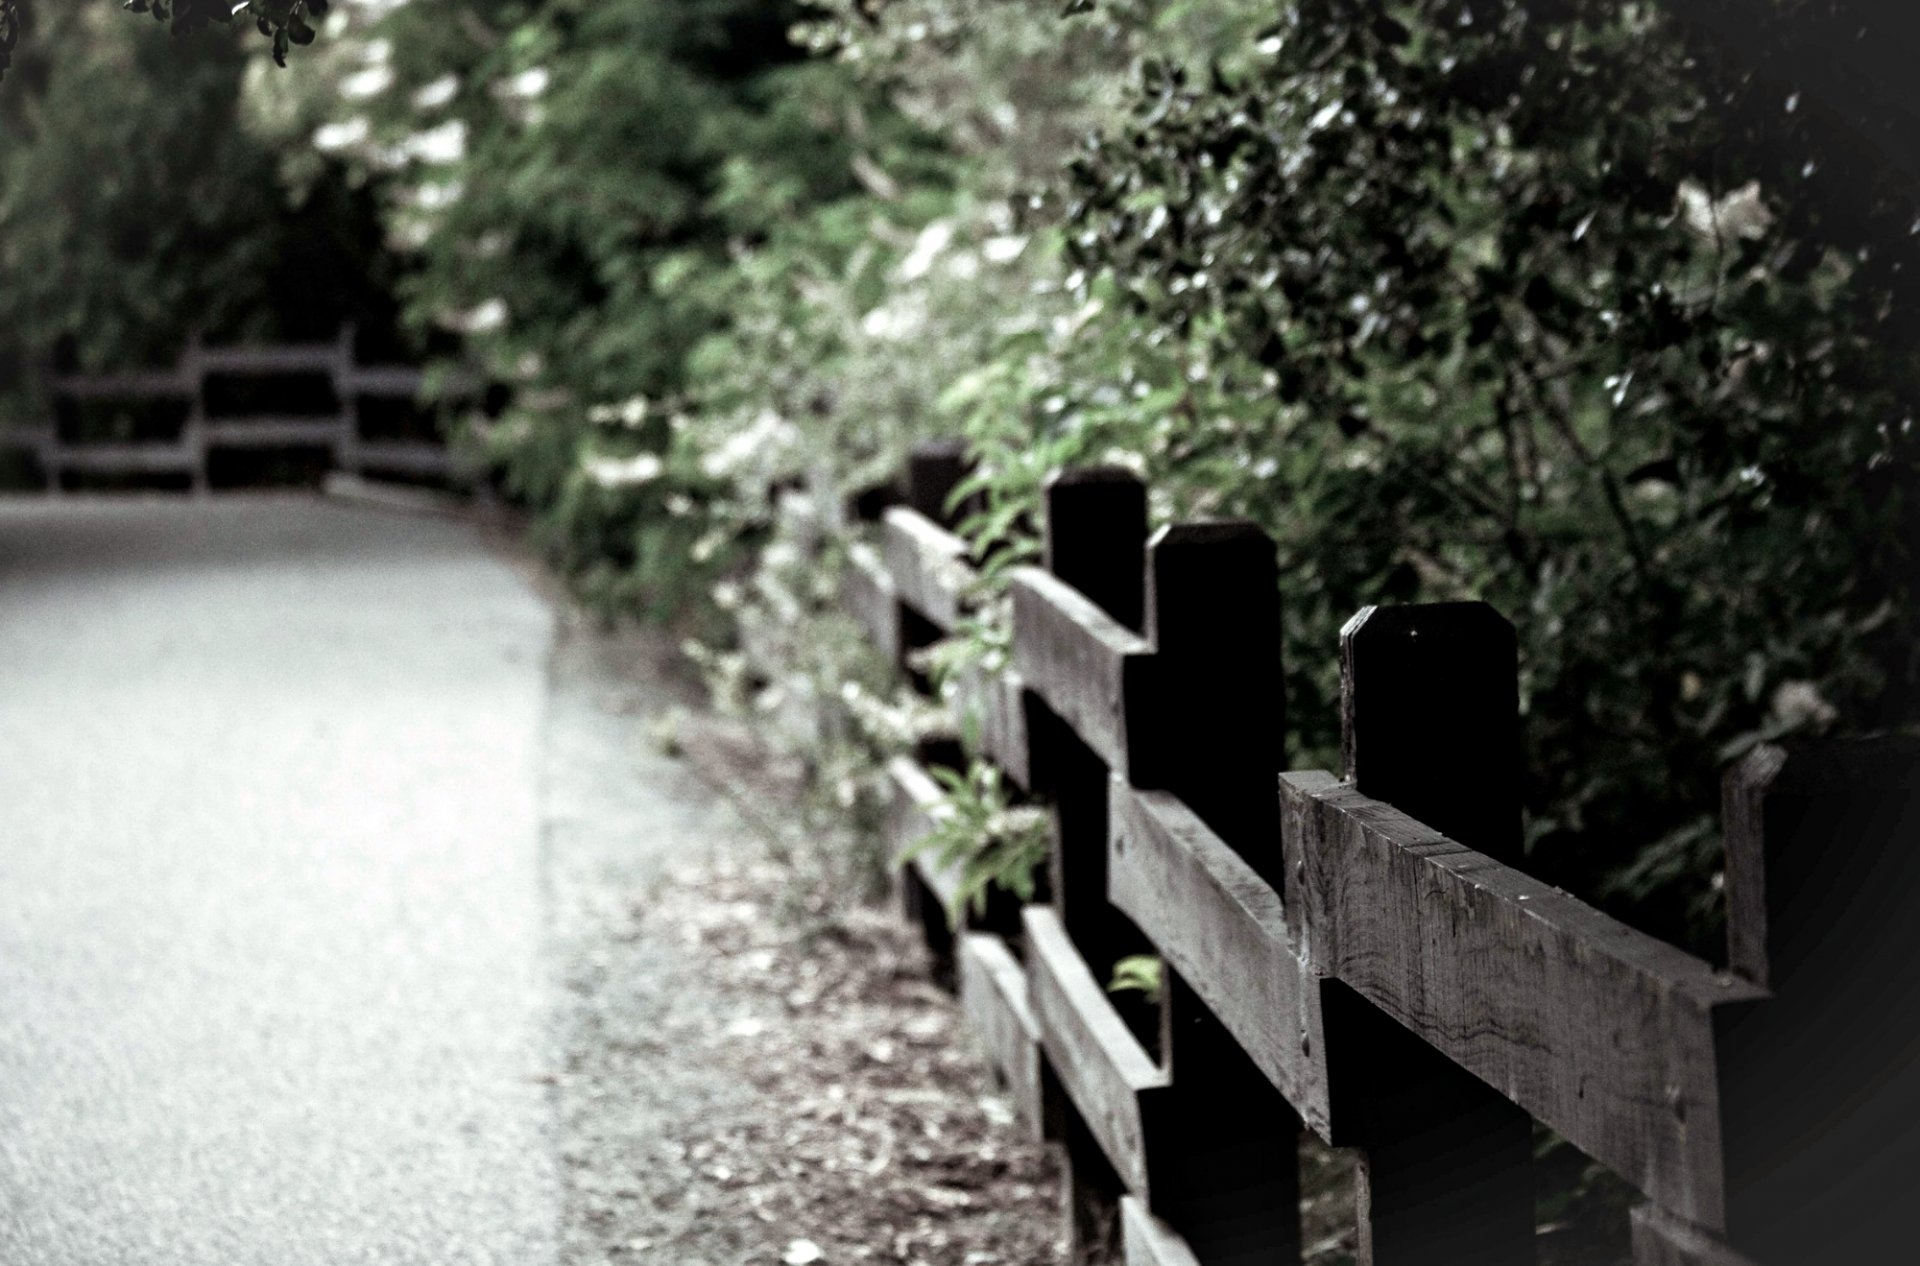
<point x="194" y="436"/>
<point x="1820" y="1084"/>
<point x="1096" y="533"/>
<point x="1430" y="725"/>
<point x="1215" y="734"/>
<point x="1224" y="1155"/>
<point x="1096" y="538"/>
<point x="934" y="469"/>
<point x="346" y="442"/>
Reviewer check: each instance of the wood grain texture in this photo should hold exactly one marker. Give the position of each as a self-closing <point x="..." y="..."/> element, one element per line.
<point x="866" y="590"/>
<point x="1147" y="1241"/>
<point x="1077" y="658"/>
<point x="928" y="565"/>
<point x="909" y="820"/>
<point x="993" y="993"/>
<point x="1109" y="1078"/>
<point x="1602" y="1033"/>
<point x="1222" y="928"/>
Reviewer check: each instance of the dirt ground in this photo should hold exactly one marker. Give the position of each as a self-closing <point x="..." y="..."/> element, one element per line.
<point x="752" y="1069"/>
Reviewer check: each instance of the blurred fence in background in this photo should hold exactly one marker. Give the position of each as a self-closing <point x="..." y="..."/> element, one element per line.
<point x="318" y="401"/>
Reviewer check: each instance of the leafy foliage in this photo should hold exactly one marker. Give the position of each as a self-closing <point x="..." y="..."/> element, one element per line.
<point x="127" y="157"/>
<point x="993" y="842"/>
<point x="1598" y="315"/>
<point x="285" y="22"/>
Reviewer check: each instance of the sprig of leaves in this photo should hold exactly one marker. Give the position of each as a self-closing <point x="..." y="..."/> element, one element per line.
<point x="285" y="22"/>
<point x="977" y="827"/>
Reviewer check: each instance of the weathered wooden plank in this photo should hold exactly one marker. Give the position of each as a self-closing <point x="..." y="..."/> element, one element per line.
<point x="867" y="591"/>
<point x="928" y="565"/>
<point x="1603" y="1033"/>
<point x="287" y="358"/>
<point x="157" y="384"/>
<point x="993" y="992"/>
<point x="261" y="432"/>
<point x="1222" y="928"/>
<point x="1110" y="1079"/>
<point x="1147" y="1241"/>
<point x="404" y="457"/>
<point x="127" y="459"/>
<point x="393" y="382"/>
<point x="993" y="707"/>
<point x="1077" y="658"/>
<point x="1661" y="1241"/>
<point x="915" y="795"/>
<point x="27" y="437"/>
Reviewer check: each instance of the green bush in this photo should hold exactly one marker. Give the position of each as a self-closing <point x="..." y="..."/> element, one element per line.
<point x="1559" y="304"/>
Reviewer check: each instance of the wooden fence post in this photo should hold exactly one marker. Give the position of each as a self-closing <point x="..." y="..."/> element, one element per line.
<point x="194" y="436"/>
<point x="1430" y="725"/>
<point x="1096" y="532"/>
<point x="1224" y="1155"/>
<point x="1820" y="1083"/>
<point x="346" y="443"/>
<point x="934" y="469"/>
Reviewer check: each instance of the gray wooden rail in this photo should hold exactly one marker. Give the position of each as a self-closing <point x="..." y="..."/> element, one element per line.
<point x="1364" y="955"/>
<point x="341" y="433"/>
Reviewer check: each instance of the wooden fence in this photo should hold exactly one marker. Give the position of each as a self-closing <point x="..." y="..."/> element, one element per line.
<point x="1364" y="956"/>
<point x="186" y="454"/>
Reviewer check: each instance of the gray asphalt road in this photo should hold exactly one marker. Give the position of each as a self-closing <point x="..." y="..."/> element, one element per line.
<point x="271" y="981"/>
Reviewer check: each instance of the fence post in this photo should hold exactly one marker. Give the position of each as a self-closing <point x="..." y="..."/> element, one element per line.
<point x="346" y="444"/>
<point x="193" y="435"/>
<point x="1225" y="1157"/>
<point x="1096" y="532"/>
<point x="1430" y="725"/>
<point x="1820" y="1084"/>
<point x="934" y="469"/>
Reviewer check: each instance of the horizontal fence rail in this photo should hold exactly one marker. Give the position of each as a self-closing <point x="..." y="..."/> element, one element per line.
<point x="1364" y="955"/>
<point x="187" y="454"/>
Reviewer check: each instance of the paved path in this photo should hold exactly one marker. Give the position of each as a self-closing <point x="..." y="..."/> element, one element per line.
<point x="271" y="978"/>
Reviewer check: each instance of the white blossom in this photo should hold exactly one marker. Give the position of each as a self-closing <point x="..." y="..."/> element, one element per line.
<point x="436" y="94"/>
<point x="621" y="472"/>
<point x="444" y="144"/>
<point x="370" y="82"/>
<point x="333" y="137"/>
<point x="928" y="247"/>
